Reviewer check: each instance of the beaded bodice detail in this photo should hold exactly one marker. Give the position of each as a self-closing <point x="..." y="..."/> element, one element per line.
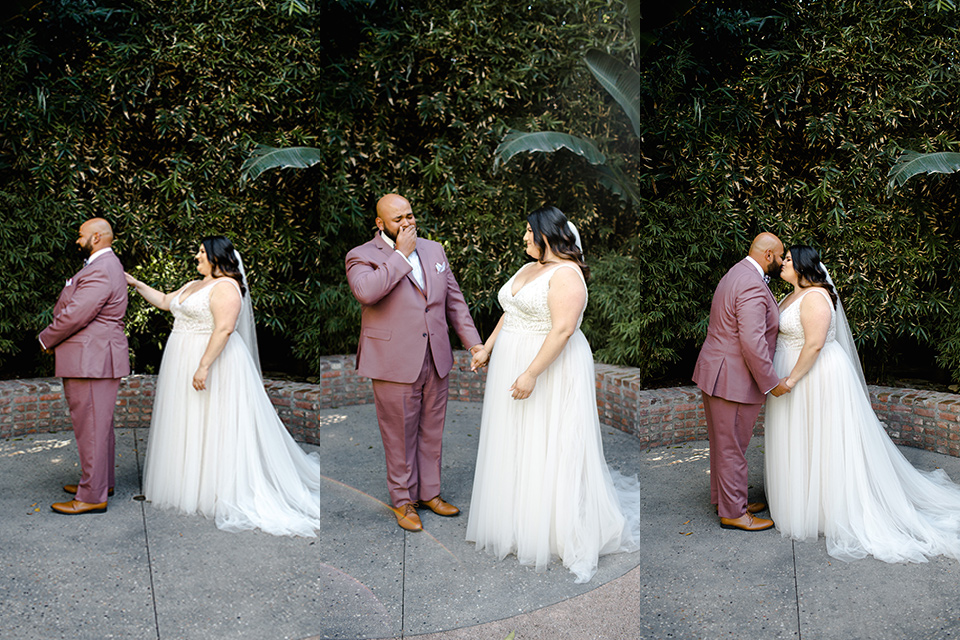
<point x="193" y="315"/>
<point x="528" y="310"/>
<point x="791" y="330"/>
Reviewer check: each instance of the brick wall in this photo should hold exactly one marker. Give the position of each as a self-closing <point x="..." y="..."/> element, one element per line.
<point x="658" y="417"/>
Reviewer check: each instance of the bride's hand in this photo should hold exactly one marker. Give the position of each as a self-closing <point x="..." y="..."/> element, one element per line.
<point x="131" y="281"/>
<point x="200" y="378"/>
<point x="523" y="386"/>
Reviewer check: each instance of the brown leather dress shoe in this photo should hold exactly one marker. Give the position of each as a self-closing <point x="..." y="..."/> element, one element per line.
<point x="407" y="517"/>
<point x="75" y="507"/>
<point x="752" y="507"/>
<point x="440" y="507"/>
<point x="746" y="522"/>
<point x="72" y="488"/>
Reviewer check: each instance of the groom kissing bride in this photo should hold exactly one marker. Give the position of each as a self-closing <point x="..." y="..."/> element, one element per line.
<point x="735" y="373"/>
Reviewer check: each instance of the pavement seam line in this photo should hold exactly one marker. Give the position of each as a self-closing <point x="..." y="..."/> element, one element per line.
<point x="796" y="587"/>
<point x="146" y="536"/>
<point x="403" y="589"/>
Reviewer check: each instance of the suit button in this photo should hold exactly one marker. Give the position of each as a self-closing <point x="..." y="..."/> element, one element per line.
<point x="424" y="335"/>
<point x="427" y="309"/>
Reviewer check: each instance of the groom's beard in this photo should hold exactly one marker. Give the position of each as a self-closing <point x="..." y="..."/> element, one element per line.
<point x="773" y="270"/>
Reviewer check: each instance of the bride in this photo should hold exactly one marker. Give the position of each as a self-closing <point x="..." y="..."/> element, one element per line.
<point x="216" y="446"/>
<point x="830" y="466"/>
<point x="541" y="485"/>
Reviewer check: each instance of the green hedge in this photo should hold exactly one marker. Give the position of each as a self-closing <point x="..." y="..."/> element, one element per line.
<point x="144" y="111"/>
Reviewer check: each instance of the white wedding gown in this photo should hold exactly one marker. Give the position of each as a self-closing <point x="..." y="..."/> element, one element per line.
<point x="541" y="486"/>
<point x="832" y="469"/>
<point x="223" y="452"/>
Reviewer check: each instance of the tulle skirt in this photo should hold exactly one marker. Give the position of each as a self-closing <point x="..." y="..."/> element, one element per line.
<point x="541" y="486"/>
<point x="832" y="469"/>
<point x="223" y="452"/>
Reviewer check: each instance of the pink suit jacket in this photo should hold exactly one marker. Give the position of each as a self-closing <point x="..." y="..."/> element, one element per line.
<point x="736" y="359"/>
<point x="87" y="329"/>
<point x="398" y="320"/>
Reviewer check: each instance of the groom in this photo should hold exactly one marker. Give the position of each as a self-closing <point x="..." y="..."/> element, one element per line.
<point x="735" y="372"/>
<point x="407" y="295"/>
<point x="91" y="356"/>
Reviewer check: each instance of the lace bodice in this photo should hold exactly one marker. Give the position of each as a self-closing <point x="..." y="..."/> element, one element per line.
<point x="528" y="310"/>
<point x="193" y="315"/>
<point x="791" y="330"/>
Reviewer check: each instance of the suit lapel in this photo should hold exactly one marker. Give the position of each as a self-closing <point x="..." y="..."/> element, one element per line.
<point x="386" y="249"/>
<point x="423" y="269"/>
<point x="756" y="274"/>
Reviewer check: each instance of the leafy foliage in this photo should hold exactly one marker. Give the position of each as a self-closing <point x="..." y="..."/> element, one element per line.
<point x="911" y="163"/>
<point x="745" y="116"/>
<point x="263" y="158"/>
<point x="143" y="112"/>
<point x="742" y="115"/>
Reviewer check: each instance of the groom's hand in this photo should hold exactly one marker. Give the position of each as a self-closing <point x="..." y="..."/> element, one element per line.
<point x="407" y="240"/>
<point x="780" y="389"/>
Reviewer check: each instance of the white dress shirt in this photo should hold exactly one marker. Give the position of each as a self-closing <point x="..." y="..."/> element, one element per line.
<point x="95" y="255"/>
<point x="413" y="260"/>
<point x="765" y="277"/>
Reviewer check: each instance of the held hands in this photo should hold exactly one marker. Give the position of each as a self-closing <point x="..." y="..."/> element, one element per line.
<point x="781" y="388"/>
<point x="523" y="386"/>
<point x="200" y="378"/>
<point x="480" y="357"/>
<point x="407" y="240"/>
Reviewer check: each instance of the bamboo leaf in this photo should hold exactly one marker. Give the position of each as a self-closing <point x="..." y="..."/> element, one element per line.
<point x="911" y="163"/>
<point x="545" y="142"/>
<point x="263" y="158"/>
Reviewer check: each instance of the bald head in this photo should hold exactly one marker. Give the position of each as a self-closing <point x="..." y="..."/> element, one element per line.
<point x="95" y="234"/>
<point x="765" y="241"/>
<point x="390" y="204"/>
<point x="394" y="213"/>
<point x="767" y="250"/>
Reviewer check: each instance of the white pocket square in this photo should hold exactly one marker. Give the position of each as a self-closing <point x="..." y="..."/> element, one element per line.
<point x="441" y="267"/>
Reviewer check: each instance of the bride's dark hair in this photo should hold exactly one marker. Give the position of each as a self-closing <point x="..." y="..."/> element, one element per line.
<point x="549" y="226"/>
<point x="223" y="257"/>
<point x="806" y="262"/>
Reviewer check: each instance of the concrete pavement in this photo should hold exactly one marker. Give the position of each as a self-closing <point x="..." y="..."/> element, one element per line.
<point x="140" y="572"/>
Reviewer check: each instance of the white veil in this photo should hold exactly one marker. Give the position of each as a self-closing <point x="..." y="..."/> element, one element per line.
<point x="246" y="327"/>
<point x="844" y="336"/>
<point x="576" y="235"/>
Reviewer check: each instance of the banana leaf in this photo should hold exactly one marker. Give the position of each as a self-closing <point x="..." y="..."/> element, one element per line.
<point x="911" y="163"/>
<point x="623" y="83"/>
<point x="263" y="158"/>
<point x="545" y="142"/>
